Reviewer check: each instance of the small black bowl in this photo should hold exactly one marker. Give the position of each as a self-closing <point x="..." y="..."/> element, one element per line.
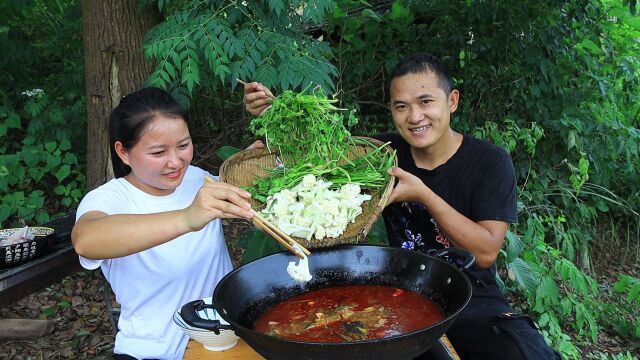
<point x="16" y="254"/>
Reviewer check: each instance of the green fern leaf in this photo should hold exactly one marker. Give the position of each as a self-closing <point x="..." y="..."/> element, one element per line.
<point x="170" y="69"/>
<point x="267" y="75"/>
<point x="276" y="6"/>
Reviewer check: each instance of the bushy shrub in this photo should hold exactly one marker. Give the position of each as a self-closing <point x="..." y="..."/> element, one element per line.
<point x="42" y="121"/>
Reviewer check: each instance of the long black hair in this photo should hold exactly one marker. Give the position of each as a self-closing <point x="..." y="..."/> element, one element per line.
<point x="423" y="63"/>
<point x="131" y="117"/>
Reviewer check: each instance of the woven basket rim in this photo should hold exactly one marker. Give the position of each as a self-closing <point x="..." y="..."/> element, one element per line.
<point x="40" y="231"/>
<point x="372" y="209"/>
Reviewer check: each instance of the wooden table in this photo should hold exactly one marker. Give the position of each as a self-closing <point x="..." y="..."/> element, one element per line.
<point x="242" y="351"/>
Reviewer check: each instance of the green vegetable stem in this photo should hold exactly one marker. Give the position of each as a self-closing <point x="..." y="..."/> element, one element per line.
<point x="310" y="135"/>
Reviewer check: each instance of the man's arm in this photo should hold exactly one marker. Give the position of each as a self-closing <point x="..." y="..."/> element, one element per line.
<point x="483" y="238"/>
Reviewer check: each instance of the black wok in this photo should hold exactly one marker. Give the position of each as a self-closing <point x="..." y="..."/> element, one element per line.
<point x="247" y="292"/>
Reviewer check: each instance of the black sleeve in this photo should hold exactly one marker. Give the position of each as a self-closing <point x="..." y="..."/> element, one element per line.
<point x="494" y="196"/>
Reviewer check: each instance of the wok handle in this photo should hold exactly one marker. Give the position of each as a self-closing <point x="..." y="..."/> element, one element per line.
<point x="462" y="259"/>
<point x="189" y="313"/>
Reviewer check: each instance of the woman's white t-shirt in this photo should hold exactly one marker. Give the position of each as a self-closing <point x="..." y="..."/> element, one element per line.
<point x="152" y="284"/>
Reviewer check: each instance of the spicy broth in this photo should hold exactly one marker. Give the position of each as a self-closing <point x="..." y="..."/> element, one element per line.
<point x="349" y="313"/>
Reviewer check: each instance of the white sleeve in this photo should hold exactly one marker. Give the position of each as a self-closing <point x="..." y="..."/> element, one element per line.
<point x="104" y="199"/>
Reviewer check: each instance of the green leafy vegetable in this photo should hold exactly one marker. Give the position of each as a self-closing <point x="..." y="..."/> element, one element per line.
<point x="310" y="135"/>
<point x="303" y="126"/>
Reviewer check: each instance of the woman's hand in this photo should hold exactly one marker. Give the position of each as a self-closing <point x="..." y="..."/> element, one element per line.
<point x="217" y="200"/>
<point x="257" y="98"/>
<point x="409" y="187"/>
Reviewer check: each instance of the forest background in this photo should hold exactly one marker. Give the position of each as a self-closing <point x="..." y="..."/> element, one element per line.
<point x="557" y="83"/>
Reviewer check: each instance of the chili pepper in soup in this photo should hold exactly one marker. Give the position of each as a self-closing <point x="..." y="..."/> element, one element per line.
<point x="349" y="313"/>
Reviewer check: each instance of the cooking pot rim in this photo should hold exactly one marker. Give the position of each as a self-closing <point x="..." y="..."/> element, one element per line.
<point x="343" y="246"/>
<point x="239" y="328"/>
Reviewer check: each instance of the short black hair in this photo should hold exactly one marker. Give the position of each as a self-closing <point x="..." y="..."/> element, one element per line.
<point x="130" y="118"/>
<point x="423" y="63"/>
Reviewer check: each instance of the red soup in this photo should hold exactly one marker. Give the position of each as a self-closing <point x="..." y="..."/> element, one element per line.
<point x="349" y="313"/>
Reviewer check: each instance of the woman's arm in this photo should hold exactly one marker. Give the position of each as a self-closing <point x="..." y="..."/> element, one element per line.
<point x="97" y="235"/>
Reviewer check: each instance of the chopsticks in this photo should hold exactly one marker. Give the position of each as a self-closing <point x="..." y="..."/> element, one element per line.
<point x="280" y="236"/>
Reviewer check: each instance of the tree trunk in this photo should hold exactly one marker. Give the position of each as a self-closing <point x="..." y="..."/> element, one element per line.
<point x="114" y="65"/>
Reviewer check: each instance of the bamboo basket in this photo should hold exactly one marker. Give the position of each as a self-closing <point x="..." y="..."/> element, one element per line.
<point x="242" y="168"/>
<point x="16" y="254"/>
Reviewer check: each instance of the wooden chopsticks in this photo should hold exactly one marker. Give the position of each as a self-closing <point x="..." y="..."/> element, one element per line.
<point x="280" y="236"/>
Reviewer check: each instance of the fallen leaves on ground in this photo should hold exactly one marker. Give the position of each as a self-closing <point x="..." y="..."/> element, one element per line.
<point x="83" y="327"/>
<point x="78" y="305"/>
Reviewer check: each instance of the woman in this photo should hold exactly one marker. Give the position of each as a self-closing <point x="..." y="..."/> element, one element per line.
<point x="155" y="229"/>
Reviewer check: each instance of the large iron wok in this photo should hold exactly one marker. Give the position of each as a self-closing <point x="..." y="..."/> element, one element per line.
<point x="248" y="291"/>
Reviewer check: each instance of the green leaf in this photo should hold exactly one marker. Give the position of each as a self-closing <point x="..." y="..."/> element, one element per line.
<point x="4" y="213"/>
<point x="70" y="159"/>
<point x="378" y="233"/>
<point x="514" y="246"/>
<point x="63" y="172"/>
<point x="549" y="290"/>
<point x="170" y="69"/>
<point x="566" y="306"/>
<point x="53" y="161"/>
<point x="60" y="190"/>
<point x="544" y="320"/>
<point x="591" y="46"/>
<point x="523" y="275"/>
<point x="35" y="200"/>
<point x="371" y="14"/>
<point x="583" y="165"/>
<point x="83" y="333"/>
<point x="48" y="312"/>
<point x="42" y="217"/>
<point x="571" y="140"/>
<point x="398" y="11"/>
<point x="12" y="121"/>
<point x="276" y="6"/>
<point x="30" y="158"/>
<point x="64" y="305"/>
<point x="585" y="320"/>
<point x="226" y="151"/>
<point x="64" y="145"/>
<point x="260" y="245"/>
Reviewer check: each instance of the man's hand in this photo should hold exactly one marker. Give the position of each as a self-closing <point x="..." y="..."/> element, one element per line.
<point x="483" y="238"/>
<point x="409" y="187"/>
<point x="258" y="144"/>
<point x="257" y="98"/>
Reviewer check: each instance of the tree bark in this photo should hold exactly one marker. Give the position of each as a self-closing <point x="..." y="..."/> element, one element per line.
<point x="113" y="33"/>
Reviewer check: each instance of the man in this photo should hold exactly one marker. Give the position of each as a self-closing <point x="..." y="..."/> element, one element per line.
<point x="452" y="190"/>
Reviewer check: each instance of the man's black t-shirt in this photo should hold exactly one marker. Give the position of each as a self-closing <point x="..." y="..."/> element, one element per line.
<point x="478" y="181"/>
